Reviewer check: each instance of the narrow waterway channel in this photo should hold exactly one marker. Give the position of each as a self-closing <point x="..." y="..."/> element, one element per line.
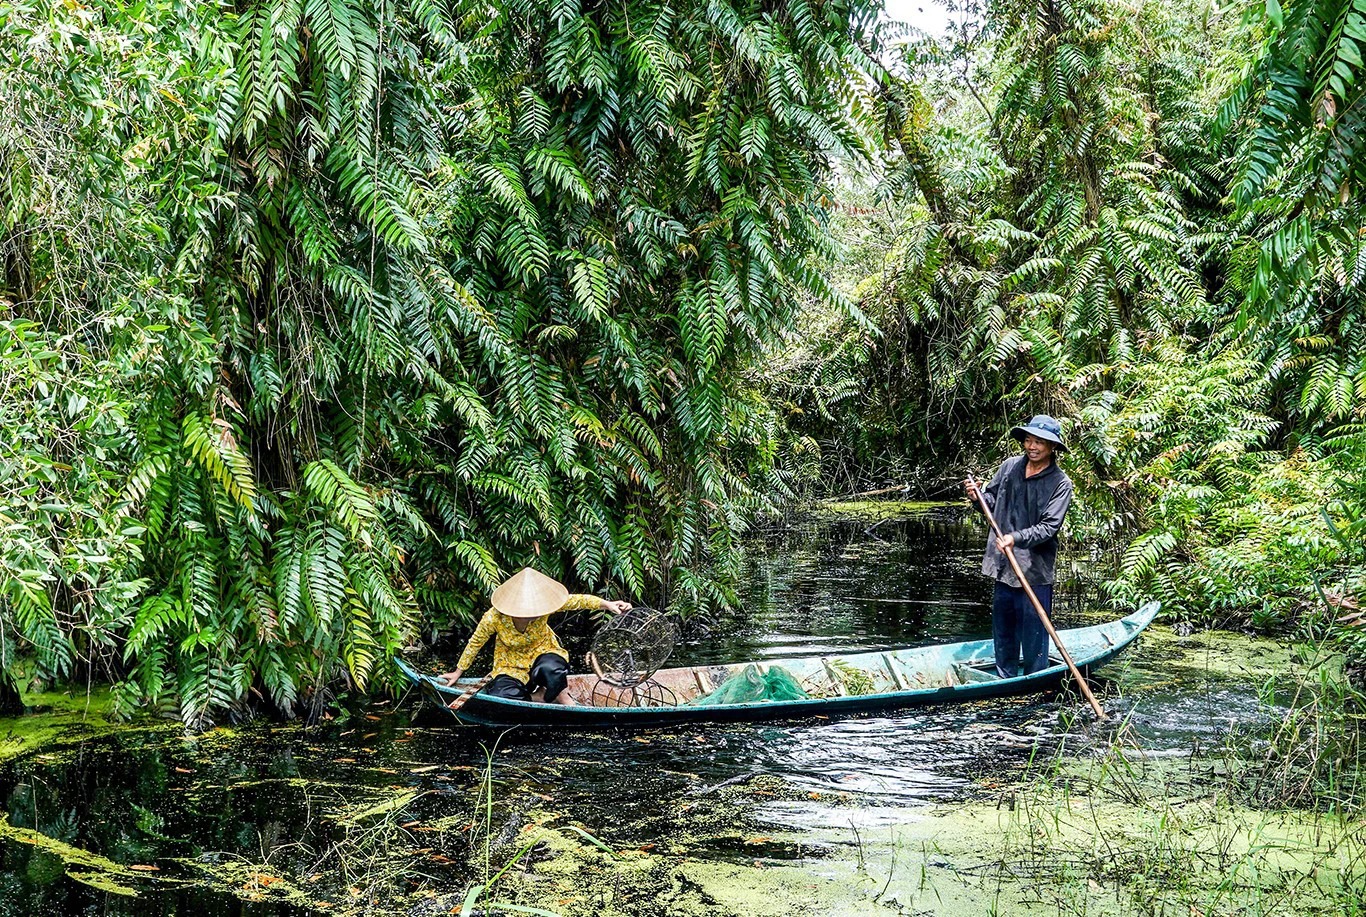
<point x="379" y="811"/>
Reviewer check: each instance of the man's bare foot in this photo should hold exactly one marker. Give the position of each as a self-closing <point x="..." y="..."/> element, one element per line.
<point x="564" y="700"/>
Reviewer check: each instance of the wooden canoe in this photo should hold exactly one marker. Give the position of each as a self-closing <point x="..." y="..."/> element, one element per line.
<point x="910" y="677"/>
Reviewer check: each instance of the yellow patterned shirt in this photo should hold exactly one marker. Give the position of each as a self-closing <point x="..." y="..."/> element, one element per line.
<point x="514" y="651"/>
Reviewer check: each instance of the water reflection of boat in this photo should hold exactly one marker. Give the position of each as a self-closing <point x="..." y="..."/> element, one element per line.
<point x="886" y="680"/>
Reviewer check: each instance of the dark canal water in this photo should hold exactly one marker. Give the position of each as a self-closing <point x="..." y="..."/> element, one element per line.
<point x="342" y="810"/>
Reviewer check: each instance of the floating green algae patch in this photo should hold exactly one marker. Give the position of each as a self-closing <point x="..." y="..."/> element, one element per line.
<point x="1053" y="845"/>
<point x="81" y="865"/>
<point x="1037" y="846"/>
<point x="384" y="808"/>
<point x="577" y="879"/>
<point x="1054" y="853"/>
<point x="980" y="859"/>
<point x="880" y="509"/>
<point x="60" y="721"/>
<point x="59" y="717"/>
<point x="1210" y="656"/>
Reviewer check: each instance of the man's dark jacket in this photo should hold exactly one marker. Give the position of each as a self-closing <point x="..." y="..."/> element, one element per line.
<point x="1031" y="509"/>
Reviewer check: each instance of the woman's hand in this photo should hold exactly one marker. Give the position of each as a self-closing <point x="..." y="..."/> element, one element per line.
<point x="616" y="608"/>
<point x="1005" y="541"/>
<point x="450" y="678"/>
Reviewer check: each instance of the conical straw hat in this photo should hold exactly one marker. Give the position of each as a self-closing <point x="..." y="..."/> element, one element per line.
<point x="529" y="594"/>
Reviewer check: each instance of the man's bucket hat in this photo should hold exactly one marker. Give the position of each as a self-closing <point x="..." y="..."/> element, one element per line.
<point x="529" y="594"/>
<point x="1044" y="427"/>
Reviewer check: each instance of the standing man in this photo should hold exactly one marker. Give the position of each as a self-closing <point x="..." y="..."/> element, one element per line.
<point x="1029" y="496"/>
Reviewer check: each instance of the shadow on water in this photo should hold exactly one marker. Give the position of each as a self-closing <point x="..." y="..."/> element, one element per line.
<point x="285" y="802"/>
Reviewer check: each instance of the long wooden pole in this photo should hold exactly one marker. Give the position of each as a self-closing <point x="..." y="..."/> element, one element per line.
<point x="1038" y="606"/>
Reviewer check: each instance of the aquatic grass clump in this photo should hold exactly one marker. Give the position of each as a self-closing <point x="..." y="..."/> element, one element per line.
<point x="478" y="898"/>
<point x="1157" y="836"/>
<point x="1314" y="756"/>
<point x="1267" y="823"/>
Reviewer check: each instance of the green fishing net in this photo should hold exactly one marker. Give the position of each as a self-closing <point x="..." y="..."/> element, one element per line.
<point x="752" y="686"/>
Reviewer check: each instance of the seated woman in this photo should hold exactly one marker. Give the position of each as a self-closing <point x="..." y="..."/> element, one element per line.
<point x="528" y="661"/>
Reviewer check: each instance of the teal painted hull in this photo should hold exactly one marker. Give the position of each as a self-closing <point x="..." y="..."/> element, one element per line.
<point x="910" y="677"/>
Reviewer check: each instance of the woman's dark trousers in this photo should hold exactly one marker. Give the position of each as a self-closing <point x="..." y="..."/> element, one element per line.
<point x="549" y="671"/>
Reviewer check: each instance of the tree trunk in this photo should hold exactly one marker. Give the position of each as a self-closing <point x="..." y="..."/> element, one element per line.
<point x="10" y="701"/>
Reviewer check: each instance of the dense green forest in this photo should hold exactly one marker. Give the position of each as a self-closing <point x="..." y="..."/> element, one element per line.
<point x="1145" y="219"/>
<point x="318" y="317"/>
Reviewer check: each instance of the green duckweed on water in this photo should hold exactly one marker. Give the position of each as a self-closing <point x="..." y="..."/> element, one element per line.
<point x="58" y="716"/>
<point x="1028" y="852"/>
<point x="61" y="721"/>
<point x="80" y="865"/>
<point x="1197" y="657"/>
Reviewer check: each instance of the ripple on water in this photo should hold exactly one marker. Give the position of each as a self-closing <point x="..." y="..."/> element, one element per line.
<point x="1176" y="721"/>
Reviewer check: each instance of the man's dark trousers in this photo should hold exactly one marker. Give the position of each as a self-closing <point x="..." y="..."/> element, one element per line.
<point x="1017" y="630"/>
